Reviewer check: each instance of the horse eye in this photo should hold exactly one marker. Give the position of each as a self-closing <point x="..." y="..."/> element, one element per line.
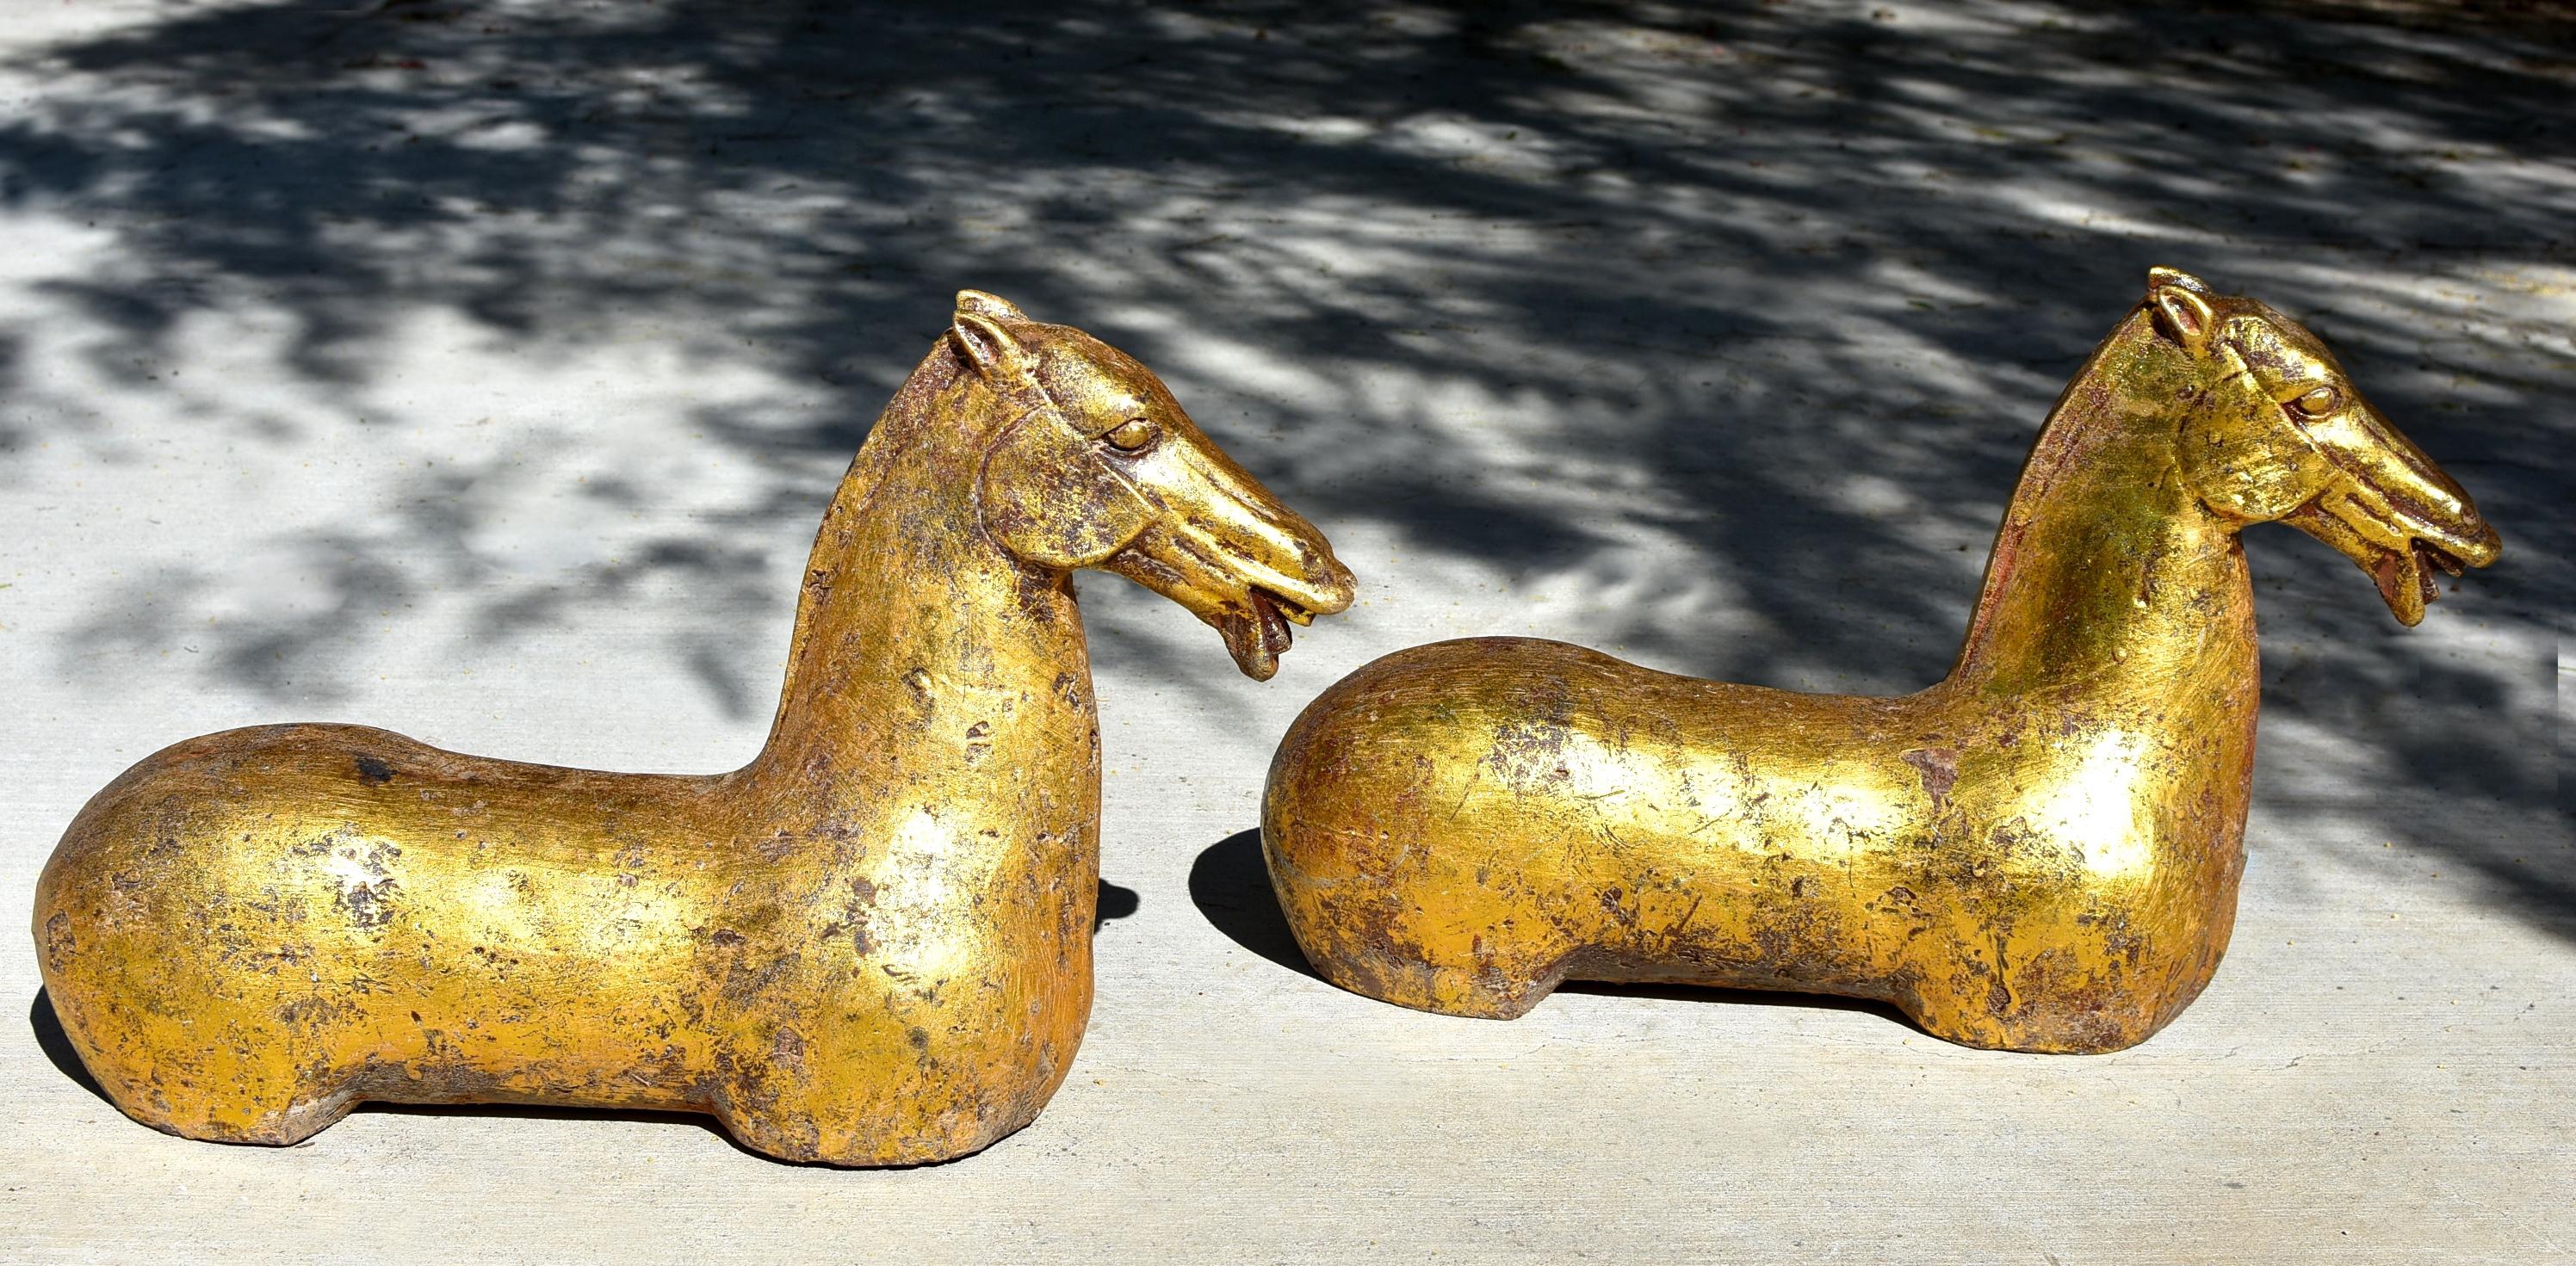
<point x="1133" y="435"/>
<point x="2318" y="403"/>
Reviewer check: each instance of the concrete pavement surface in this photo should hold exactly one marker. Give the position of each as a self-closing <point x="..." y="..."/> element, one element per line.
<point x="480" y="370"/>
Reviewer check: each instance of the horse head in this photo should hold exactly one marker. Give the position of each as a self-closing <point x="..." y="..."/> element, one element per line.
<point x="1100" y="467"/>
<point x="2274" y="430"/>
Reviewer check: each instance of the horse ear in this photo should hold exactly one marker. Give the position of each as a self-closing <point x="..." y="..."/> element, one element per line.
<point x="989" y="305"/>
<point x="993" y="353"/>
<point x="2183" y="315"/>
<point x="2160" y="277"/>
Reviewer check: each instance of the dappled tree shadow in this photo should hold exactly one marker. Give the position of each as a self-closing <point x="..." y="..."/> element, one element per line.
<point x="1725" y="327"/>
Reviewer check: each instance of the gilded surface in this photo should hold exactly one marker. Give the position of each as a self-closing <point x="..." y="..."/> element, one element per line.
<point x="870" y="945"/>
<point x="2039" y="853"/>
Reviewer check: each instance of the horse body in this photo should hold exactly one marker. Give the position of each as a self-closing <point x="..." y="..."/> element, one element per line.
<point x="237" y="958"/>
<point x="870" y="945"/>
<point x="2039" y="853"/>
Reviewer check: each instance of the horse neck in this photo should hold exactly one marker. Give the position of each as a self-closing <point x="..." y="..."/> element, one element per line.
<point x="2109" y="578"/>
<point x="920" y="643"/>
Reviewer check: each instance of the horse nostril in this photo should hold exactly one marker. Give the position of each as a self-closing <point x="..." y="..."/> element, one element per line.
<point x="1330" y="588"/>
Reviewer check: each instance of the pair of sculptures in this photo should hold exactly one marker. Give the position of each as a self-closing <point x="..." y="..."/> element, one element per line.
<point x="872" y="944"/>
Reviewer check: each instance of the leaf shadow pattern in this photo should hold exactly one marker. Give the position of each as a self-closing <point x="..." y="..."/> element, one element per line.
<point x="1725" y="326"/>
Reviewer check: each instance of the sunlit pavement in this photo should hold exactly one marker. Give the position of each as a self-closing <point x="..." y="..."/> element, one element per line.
<point x="480" y="371"/>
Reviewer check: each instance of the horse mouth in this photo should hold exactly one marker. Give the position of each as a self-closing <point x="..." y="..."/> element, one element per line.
<point x="2395" y="551"/>
<point x="1259" y="636"/>
<point x="2405" y="577"/>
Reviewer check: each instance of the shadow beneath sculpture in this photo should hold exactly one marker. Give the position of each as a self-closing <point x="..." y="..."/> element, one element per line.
<point x="57" y="1045"/>
<point x="1230" y="885"/>
<point x="1116" y="902"/>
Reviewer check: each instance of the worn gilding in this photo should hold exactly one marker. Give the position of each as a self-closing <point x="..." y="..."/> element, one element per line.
<point x="2039" y="853"/>
<point x="870" y="945"/>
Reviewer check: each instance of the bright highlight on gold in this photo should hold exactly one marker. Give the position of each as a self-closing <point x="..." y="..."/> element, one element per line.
<point x="2039" y="853"/>
<point x="871" y="945"/>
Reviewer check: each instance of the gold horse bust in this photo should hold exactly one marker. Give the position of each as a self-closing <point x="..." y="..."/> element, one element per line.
<point x="2040" y="853"/>
<point x="871" y="945"/>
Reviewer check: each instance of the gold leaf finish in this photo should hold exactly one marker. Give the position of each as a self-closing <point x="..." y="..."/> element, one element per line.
<point x="2040" y="853"/>
<point x="871" y="945"/>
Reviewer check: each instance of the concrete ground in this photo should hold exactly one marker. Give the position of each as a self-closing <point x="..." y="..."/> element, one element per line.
<point x="479" y="370"/>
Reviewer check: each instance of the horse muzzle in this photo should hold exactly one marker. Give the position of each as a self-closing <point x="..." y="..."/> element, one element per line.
<point x="1241" y="562"/>
<point x="1250" y="606"/>
<point x="2395" y="513"/>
